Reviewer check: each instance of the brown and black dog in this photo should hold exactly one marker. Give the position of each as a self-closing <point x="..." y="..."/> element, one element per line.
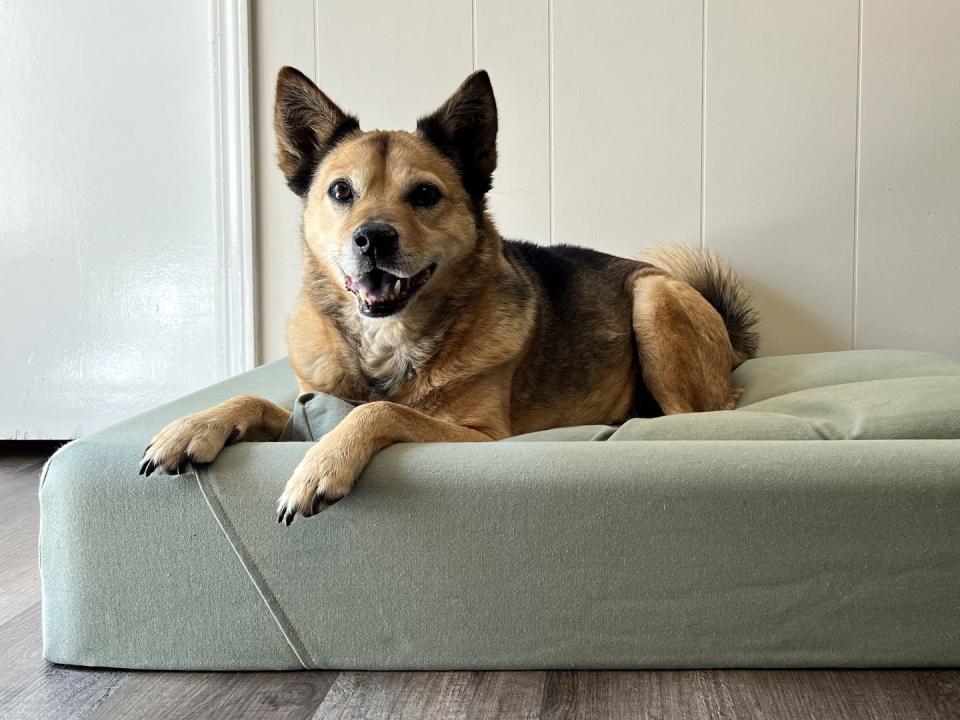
<point x="414" y="305"/>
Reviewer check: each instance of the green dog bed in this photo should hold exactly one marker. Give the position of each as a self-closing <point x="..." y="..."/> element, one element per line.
<point x="818" y="524"/>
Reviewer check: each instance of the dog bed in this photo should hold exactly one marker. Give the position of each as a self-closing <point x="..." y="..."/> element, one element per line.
<point x="818" y="524"/>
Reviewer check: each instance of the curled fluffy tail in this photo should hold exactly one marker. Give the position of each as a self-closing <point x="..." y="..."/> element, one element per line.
<point x="722" y="288"/>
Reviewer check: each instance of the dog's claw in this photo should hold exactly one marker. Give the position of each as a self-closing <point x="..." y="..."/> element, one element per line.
<point x="148" y="466"/>
<point x="286" y="515"/>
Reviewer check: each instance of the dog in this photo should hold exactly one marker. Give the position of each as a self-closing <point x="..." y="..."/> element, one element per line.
<point x="414" y="306"/>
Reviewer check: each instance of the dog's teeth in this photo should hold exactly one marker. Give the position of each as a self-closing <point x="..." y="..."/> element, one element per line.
<point x="397" y="286"/>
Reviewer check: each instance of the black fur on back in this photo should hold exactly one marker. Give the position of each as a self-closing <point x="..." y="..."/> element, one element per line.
<point x="586" y="318"/>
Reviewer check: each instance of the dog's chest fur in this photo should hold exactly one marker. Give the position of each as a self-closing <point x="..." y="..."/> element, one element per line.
<point x="389" y="358"/>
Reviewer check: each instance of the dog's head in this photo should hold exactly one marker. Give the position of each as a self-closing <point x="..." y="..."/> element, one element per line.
<point x="388" y="216"/>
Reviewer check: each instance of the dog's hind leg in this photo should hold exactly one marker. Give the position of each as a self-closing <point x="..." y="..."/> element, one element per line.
<point x="200" y="437"/>
<point x="685" y="354"/>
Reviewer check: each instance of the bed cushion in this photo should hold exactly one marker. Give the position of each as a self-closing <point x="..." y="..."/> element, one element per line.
<point x="711" y="540"/>
<point x="796" y="397"/>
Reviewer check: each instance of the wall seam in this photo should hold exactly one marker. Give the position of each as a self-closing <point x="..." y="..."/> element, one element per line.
<point x="703" y="123"/>
<point x="316" y="44"/>
<point x="856" y="184"/>
<point x="473" y="34"/>
<point x="550" y="113"/>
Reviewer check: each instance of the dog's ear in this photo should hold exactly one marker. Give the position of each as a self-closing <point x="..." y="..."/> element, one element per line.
<point x="464" y="129"/>
<point x="308" y="125"/>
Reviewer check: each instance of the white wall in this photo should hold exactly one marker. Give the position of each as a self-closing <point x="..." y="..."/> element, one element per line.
<point x="112" y="232"/>
<point x="816" y="144"/>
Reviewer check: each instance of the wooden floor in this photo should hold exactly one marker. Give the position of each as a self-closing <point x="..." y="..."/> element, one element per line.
<point x="32" y="688"/>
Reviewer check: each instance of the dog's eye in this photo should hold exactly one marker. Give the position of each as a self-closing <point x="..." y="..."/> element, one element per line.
<point x="340" y="191"/>
<point x="424" y="195"/>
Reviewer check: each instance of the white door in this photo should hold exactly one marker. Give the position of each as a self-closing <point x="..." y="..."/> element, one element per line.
<point x="124" y="245"/>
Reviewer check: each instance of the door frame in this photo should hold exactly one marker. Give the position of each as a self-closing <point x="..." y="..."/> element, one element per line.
<point x="233" y="175"/>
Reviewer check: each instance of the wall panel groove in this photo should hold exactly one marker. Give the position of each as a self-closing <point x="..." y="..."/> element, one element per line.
<point x="550" y="93"/>
<point x="703" y="122"/>
<point x="856" y="181"/>
<point x="473" y="32"/>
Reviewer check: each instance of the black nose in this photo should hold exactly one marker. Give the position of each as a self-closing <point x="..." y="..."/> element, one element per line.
<point x="376" y="237"/>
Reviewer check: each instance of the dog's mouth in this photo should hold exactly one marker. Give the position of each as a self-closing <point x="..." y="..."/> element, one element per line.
<point x="380" y="293"/>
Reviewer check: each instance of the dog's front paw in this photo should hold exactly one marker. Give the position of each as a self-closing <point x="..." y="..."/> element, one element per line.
<point x="194" y="439"/>
<point x="322" y="478"/>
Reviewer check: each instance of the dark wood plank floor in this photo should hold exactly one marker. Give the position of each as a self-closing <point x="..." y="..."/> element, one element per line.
<point x="32" y="688"/>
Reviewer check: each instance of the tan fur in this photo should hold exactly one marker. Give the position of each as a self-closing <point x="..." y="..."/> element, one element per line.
<point x="684" y="348"/>
<point x="711" y="276"/>
<point x="483" y="351"/>
<point x="381" y="185"/>
<point x="200" y="437"/>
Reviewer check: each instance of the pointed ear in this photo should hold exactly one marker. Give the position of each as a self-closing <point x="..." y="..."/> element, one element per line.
<point x="308" y="125"/>
<point x="464" y="129"/>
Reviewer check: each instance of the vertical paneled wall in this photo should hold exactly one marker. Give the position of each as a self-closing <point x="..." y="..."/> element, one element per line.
<point x="283" y="34"/>
<point x="908" y="214"/>
<point x="779" y="160"/>
<point x="815" y="145"/>
<point x="626" y="118"/>
<point x="512" y="41"/>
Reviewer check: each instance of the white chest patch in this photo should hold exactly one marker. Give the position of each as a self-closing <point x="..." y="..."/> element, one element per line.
<point x="389" y="357"/>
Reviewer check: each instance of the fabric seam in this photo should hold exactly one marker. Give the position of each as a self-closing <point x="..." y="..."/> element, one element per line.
<point x="306" y="422"/>
<point x="604" y="434"/>
<point x="249" y="566"/>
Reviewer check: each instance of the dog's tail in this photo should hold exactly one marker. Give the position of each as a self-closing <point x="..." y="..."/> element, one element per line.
<point x="720" y="285"/>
